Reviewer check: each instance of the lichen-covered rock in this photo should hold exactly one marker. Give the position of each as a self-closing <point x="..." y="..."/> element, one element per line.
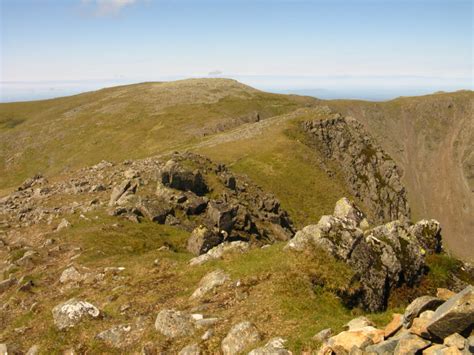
<point x="346" y="208"/>
<point x="240" y="337"/>
<point x="209" y="282"/>
<point x="173" y="324"/>
<point x="71" y="312"/>
<point x="428" y="234"/>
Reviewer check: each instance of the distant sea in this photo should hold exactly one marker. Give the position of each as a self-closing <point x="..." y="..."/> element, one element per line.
<point x="335" y="87"/>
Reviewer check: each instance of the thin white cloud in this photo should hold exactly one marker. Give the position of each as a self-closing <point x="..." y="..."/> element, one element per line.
<point x="108" y="7"/>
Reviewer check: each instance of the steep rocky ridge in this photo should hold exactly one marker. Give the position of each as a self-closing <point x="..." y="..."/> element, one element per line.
<point x="431" y="138"/>
<point x="370" y="173"/>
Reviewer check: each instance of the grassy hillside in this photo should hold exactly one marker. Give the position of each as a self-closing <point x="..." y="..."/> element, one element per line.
<point x="123" y="122"/>
<point x="432" y="138"/>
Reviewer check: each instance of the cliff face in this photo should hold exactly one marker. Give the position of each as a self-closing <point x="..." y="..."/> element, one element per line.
<point x="370" y="173"/>
<point x="432" y="139"/>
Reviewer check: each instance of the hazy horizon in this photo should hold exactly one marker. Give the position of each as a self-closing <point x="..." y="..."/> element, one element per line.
<point x="366" y="49"/>
<point x="323" y="87"/>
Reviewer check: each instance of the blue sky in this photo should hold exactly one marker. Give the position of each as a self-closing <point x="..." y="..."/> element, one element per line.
<point x="323" y="45"/>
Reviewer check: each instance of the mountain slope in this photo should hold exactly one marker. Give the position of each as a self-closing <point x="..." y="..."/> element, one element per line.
<point x="124" y="123"/>
<point x="258" y="134"/>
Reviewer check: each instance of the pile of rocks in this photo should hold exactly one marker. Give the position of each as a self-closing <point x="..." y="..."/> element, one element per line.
<point x="203" y="197"/>
<point x="430" y="325"/>
<point x="382" y="258"/>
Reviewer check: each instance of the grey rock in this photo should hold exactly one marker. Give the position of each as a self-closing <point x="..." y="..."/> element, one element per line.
<point x="428" y="234"/>
<point x="386" y="347"/>
<point x="275" y="346"/>
<point x="155" y="210"/>
<point x="118" y="191"/>
<point x="347" y="209"/>
<point x="240" y="337"/>
<point x="71" y="312"/>
<point x="220" y="250"/>
<point x="221" y="215"/>
<point x="174" y="175"/>
<point x="70" y="275"/>
<point x="418" y="306"/>
<point x="210" y="282"/>
<point x="455" y="315"/>
<point x="391" y="253"/>
<point x="122" y="335"/>
<point x="174" y="324"/>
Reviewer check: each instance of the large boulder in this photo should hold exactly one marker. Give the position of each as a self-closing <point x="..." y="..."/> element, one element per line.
<point x="155" y="210"/>
<point x="176" y="176"/>
<point x="202" y="240"/>
<point x="71" y="312"/>
<point x="240" y="337"/>
<point x="174" y="324"/>
<point x="455" y="315"/>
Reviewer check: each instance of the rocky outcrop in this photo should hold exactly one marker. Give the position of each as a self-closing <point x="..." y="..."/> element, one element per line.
<point x="441" y="329"/>
<point x="393" y="252"/>
<point x="370" y="173"/>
